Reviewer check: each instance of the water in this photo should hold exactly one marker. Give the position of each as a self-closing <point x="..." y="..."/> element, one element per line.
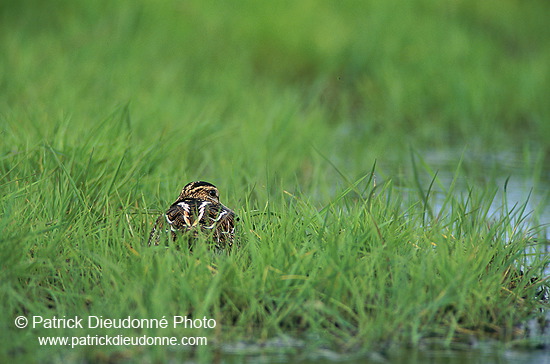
<point x="486" y="353"/>
<point x="520" y="178"/>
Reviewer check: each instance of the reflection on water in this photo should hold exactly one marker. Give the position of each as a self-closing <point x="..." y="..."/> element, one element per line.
<point x="487" y="355"/>
<point x="287" y="349"/>
<point x="472" y="357"/>
<point x="520" y="180"/>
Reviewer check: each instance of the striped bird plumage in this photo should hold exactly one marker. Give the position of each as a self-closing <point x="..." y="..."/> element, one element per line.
<point x="197" y="210"/>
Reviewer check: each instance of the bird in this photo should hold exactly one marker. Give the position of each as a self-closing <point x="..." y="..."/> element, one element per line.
<point x="197" y="210"/>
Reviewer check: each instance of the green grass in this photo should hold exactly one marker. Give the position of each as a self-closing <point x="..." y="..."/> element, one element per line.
<point x="108" y="108"/>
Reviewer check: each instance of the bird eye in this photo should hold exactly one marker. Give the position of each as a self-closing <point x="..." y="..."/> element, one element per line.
<point x="213" y="193"/>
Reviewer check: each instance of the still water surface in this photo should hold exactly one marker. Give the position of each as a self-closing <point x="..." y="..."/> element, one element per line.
<point x="473" y="356"/>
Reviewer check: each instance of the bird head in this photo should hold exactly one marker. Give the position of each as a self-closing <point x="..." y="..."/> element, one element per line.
<point x="200" y="190"/>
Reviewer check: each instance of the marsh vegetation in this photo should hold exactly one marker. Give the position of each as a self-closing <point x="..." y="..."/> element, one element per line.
<point x="318" y="122"/>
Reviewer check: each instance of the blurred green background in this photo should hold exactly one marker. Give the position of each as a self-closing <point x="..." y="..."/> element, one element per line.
<point x="249" y="86"/>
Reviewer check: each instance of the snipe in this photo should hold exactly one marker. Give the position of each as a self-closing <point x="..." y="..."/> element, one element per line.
<point x="196" y="211"/>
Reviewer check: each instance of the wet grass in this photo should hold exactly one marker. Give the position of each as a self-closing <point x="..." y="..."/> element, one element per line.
<point x="108" y="109"/>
